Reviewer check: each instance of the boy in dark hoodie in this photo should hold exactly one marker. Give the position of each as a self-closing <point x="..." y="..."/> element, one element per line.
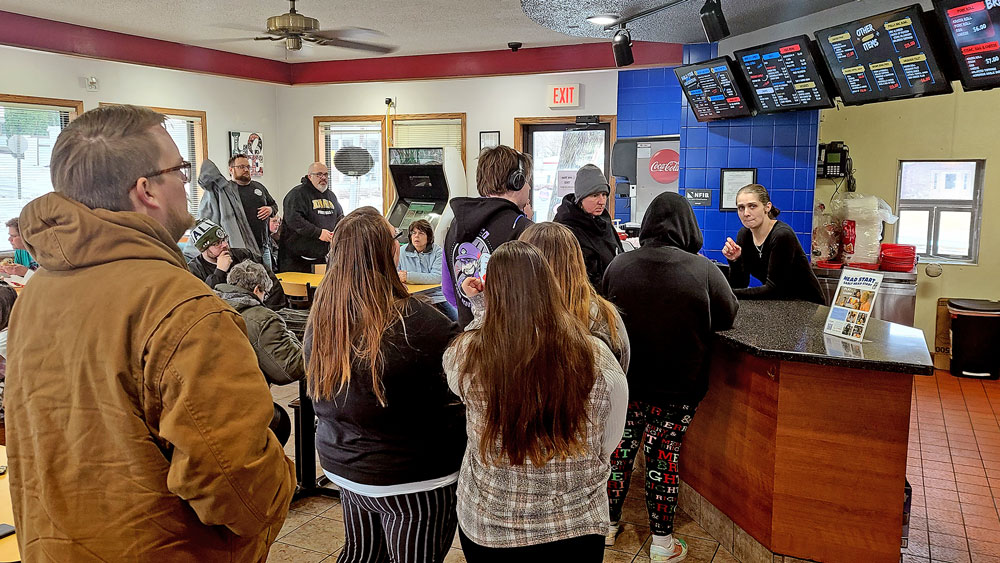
<point x="672" y="300"/>
<point x="503" y="178"/>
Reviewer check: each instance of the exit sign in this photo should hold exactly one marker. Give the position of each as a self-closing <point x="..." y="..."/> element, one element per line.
<point x="564" y="96"/>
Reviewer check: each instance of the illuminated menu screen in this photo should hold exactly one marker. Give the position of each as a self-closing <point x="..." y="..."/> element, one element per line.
<point x="883" y="57"/>
<point x="783" y="76"/>
<point x="972" y="31"/>
<point x="712" y="90"/>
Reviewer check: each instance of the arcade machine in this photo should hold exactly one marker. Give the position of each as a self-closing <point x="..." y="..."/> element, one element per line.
<point x="425" y="180"/>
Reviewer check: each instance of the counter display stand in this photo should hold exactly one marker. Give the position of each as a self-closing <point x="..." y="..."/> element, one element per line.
<point x="799" y="448"/>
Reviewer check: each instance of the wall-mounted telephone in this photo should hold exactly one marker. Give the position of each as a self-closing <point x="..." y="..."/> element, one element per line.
<point x="834" y="160"/>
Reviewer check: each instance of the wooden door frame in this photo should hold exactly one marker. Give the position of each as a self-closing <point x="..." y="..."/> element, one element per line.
<point x="381" y="119"/>
<point x="520" y="122"/>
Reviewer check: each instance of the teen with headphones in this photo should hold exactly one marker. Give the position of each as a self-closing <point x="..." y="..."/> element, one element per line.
<point x="503" y="179"/>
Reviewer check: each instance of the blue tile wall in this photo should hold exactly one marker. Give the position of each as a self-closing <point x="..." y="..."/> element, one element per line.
<point x="782" y="147"/>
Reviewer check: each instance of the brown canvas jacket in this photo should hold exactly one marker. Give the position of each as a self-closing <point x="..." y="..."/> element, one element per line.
<point x="136" y="413"/>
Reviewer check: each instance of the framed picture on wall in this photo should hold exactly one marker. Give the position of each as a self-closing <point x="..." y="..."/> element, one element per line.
<point x="489" y="139"/>
<point x="251" y="144"/>
<point x="730" y="182"/>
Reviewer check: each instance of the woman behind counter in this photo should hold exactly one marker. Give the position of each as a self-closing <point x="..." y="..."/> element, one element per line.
<point x="420" y="264"/>
<point x="769" y="250"/>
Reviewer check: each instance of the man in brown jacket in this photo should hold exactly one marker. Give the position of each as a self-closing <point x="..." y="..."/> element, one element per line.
<point x="136" y="413"/>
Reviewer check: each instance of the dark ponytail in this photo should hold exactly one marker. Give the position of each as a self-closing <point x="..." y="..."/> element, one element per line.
<point x="762" y="196"/>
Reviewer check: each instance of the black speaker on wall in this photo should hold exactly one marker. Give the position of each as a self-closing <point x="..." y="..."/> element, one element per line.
<point x="714" y="21"/>
<point x="621" y="46"/>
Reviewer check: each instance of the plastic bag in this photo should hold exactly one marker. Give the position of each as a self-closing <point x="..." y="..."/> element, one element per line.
<point x="825" y="235"/>
<point x="861" y="217"/>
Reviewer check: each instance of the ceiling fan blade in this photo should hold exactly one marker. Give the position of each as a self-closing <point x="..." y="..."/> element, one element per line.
<point x="370" y="47"/>
<point x="350" y="33"/>
<point x="269" y="38"/>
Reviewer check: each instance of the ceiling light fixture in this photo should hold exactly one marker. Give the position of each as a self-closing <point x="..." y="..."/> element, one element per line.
<point x="603" y="19"/>
<point x="621" y="46"/>
<point x="714" y="22"/>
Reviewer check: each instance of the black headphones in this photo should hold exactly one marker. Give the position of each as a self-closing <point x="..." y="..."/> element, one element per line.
<point x="516" y="180"/>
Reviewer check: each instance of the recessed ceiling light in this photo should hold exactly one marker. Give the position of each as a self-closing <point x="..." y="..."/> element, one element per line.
<point x="603" y="19"/>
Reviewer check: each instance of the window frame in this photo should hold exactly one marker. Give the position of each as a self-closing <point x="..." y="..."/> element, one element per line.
<point x="381" y="119"/>
<point x="936" y="206"/>
<point x="393" y="118"/>
<point x="73" y="107"/>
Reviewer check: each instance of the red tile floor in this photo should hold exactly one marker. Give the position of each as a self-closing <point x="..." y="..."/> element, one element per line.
<point x="954" y="469"/>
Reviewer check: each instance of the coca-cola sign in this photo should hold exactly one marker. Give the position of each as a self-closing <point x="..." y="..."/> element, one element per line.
<point x="665" y="166"/>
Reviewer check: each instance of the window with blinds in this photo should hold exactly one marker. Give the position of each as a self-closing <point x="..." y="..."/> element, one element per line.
<point x="353" y="191"/>
<point x="187" y="133"/>
<point x="27" y="133"/>
<point x="429" y="133"/>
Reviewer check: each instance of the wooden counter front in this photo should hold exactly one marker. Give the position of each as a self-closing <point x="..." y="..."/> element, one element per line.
<point x="808" y="459"/>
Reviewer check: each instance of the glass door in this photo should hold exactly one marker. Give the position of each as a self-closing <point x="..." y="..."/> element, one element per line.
<point x="558" y="151"/>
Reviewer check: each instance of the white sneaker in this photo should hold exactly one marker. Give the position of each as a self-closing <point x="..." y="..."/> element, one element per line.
<point x="613" y="531"/>
<point x="659" y="554"/>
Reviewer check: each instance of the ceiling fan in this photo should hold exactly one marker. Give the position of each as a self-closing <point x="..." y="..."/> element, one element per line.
<point x="293" y="28"/>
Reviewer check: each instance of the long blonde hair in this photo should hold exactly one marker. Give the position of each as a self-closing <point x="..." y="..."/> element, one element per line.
<point x="559" y="246"/>
<point x="530" y="364"/>
<point x="359" y="299"/>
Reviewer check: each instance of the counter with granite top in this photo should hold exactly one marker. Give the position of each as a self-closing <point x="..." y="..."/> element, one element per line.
<point x="799" y="447"/>
<point x="793" y="330"/>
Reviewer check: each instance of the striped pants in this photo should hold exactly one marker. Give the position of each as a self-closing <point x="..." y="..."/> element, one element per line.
<point x="411" y="528"/>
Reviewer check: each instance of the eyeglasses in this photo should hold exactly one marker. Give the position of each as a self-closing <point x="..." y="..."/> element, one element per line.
<point x="241" y="167"/>
<point x="184" y="168"/>
<point x="320" y="174"/>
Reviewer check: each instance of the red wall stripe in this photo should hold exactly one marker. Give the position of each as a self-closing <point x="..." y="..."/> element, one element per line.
<point x="46" y="35"/>
<point x="586" y="56"/>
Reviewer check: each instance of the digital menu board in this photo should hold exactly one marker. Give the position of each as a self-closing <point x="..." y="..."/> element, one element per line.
<point x="783" y="76"/>
<point x="971" y="28"/>
<point x="882" y="57"/>
<point x="713" y="90"/>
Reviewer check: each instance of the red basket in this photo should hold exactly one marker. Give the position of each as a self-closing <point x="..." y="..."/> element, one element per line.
<point x="829" y="264"/>
<point x="862" y="266"/>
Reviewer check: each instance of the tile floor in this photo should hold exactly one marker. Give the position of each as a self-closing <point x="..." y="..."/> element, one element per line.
<point x="953" y="467"/>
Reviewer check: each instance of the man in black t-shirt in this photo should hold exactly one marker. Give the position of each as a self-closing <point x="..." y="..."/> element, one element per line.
<point x="258" y="205"/>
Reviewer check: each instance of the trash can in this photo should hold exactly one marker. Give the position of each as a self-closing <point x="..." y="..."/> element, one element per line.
<point x="975" y="331"/>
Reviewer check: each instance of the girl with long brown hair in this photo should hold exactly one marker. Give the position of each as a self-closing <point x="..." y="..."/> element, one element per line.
<point x="390" y="432"/>
<point x="560" y="247"/>
<point x="545" y="408"/>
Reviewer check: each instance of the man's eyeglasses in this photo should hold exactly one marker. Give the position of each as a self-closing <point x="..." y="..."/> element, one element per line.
<point x="241" y="167"/>
<point x="184" y="168"/>
<point x="320" y="174"/>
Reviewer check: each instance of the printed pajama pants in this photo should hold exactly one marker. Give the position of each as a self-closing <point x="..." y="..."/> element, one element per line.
<point x="659" y="429"/>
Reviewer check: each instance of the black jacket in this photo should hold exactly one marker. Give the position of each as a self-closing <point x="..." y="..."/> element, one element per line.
<point x="672" y="300"/>
<point x="481" y="224"/>
<point x="597" y="236"/>
<point x="781" y="265"/>
<point x="307" y="212"/>
<point x="420" y="433"/>
<point x="207" y="272"/>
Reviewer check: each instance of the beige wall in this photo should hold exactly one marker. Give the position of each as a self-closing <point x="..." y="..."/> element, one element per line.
<point x="961" y="125"/>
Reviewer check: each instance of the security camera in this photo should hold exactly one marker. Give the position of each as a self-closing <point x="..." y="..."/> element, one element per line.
<point x="514" y="46"/>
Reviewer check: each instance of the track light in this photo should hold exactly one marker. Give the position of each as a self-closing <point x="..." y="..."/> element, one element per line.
<point x="621" y="46"/>
<point x="603" y="19"/>
<point x="714" y="21"/>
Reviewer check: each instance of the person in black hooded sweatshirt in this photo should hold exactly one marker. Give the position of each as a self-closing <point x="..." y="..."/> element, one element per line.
<point x="481" y="224"/>
<point x="585" y="213"/>
<point x="672" y="300"/>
